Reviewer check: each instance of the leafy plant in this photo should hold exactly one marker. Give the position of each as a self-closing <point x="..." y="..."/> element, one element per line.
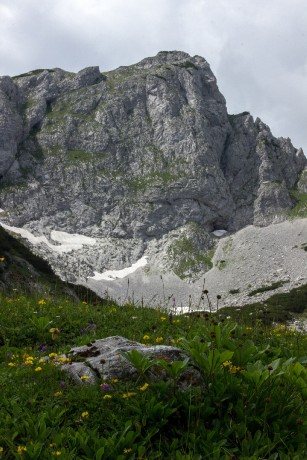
<point x="139" y="361"/>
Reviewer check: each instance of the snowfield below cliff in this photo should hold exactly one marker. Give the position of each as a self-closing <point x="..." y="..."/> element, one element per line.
<point x="272" y="257"/>
<point x="248" y="260"/>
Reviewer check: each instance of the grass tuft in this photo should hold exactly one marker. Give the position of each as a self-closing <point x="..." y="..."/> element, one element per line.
<point x="270" y="287"/>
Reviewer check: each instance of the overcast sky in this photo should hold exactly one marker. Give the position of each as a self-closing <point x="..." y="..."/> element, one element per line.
<point x="256" y="49"/>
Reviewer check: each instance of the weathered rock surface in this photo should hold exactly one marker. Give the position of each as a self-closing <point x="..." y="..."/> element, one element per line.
<point x="104" y="359"/>
<point x="144" y="159"/>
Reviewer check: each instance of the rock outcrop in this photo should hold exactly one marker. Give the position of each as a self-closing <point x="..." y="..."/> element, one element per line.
<point x="106" y="359"/>
<point x="144" y="159"/>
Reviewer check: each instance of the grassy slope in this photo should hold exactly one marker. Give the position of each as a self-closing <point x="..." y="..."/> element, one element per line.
<point x="252" y="404"/>
<point x="27" y="273"/>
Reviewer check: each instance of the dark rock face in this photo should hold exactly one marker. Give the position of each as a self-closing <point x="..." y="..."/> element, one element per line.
<point x="136" y="153"/>
<point x="26" y="273"/>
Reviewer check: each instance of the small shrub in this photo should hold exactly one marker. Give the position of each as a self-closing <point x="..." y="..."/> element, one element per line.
<point x="300" y="203"/>
<point x="271" y="287"/>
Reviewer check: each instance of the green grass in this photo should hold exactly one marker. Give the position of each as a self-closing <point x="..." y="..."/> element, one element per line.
<point x="78" y="156"/>
<point x="270" y="287"/>
<point x="293" y="301"/>
<point x="33" y="72"/>
<point x="153" y="179"/>
<point x="164" y="171"/>
<point x="300" y="207"/>
<point x="279" y="307"/>
<point x="302" y="182"/>
<point x="234" y="291"/>
<point x="221" y="264"/>
<point x="250" y="404"/>
<point x="187" y="259"/>
<point x="22" y="270"/>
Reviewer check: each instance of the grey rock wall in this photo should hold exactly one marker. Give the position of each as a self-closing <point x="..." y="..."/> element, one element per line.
<point x="135" y="154"/>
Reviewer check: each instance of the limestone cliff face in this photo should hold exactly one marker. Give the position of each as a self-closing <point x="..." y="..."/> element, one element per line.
<point x="135" y="154"/>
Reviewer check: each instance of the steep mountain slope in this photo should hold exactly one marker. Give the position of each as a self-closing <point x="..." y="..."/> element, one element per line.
<point x="22" y="272"/>
<point x="144" y="161"/>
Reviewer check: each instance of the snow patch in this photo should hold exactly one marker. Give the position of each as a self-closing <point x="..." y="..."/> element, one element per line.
<point x="219" y="233"/>
<point x="71" y="238"/>
<point x="68" y="242"/>
<point x="2" y="210"/>
<point x="112" y="275"/>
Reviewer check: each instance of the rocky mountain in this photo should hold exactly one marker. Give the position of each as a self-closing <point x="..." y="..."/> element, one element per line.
<point x="130" y="176"/>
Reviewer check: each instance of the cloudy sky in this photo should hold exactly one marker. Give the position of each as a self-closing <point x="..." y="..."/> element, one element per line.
<point x="257" y="49"/>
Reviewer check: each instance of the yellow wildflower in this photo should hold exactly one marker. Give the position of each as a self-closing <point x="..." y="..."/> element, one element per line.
<point x="26" y="356"/>
<point x="63" y="360"/>
<point x="159" y="339"/>
<point x="144" y="387"/>
<point x="29" y="361"/>
<point x="127" y="451"/>
<point x="21" y="449"/>
<point x="163" y="318"/>
<point x="146" y="337"/>
<point x="42" y="302"/>
<point x="58" y="393"/>
<point x="52" y="355"/>
<point x="234" y="369"/>
<point x="107" y="397"/>
<point x="12" y="364"/>
<point x="54" y="331"/>
<point x="57" y="453"/>
<point x="227" y="363"/>
<point x="84" y="377"/>
<point x="85" y="414"/>
<point x="1" y="450"/>
<point x="2" y="259"/>
<point x="128" y="394"/>
<point x="38" y="369"/>
<point x="114" y="381"/>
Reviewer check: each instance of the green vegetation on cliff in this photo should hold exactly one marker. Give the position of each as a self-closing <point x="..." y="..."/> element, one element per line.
<point x="187" y="259"/>
<point x="300" y="207"/>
